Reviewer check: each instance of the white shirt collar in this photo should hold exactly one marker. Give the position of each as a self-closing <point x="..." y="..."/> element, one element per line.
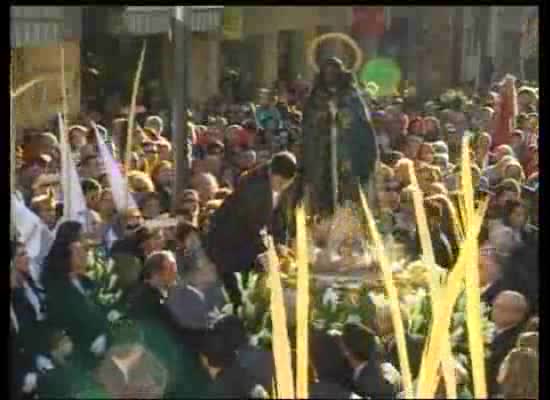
<point x="77" y="284"/>
<point x="357" y="371"/>
<point x="197" y="291"/>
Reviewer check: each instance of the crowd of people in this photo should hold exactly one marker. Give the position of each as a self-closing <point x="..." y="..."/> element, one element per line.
<point x="142" y="328"/>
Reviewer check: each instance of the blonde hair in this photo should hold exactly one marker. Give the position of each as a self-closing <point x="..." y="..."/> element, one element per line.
<point x="402" y="171"/>
<point x="504" y="161"/>
<point x="158" y="166"/>
<point x="449" y="212"/>
<point x="140" y="182"/>
<point x="520" y="176"/>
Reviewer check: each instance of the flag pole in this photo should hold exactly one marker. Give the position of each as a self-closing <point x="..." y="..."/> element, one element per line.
<point x="131" y="116"/>
<point x="63" y="129"/>
<point x="181" y="42"/>
<point x="13" y="149"/>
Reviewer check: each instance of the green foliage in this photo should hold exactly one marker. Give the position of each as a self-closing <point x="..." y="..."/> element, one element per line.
<point x="106" y="292"/>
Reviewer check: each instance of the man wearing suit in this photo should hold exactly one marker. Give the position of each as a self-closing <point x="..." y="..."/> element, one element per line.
<point x="508" y="314"/>
<point x="228" y="378"/>
<point x="414" y="343"/>
<point x="258" y="363"/>
<point x="147" y="306"/>
<point x="370" y="375"/>
<point x="240" y="227"/>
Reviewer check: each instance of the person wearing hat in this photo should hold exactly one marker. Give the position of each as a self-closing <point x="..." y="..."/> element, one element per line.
<point x="169" y="318"/>
<point x="239" y="229"/>
<point x="335" y="103"/>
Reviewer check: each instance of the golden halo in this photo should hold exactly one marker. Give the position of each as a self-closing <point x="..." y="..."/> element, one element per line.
<point x="334" y="35"/>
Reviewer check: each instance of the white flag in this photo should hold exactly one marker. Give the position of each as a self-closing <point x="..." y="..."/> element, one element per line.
<point x="33" y="233"/>
<point x="119" y="187"/>
<point x="74" y="202"/>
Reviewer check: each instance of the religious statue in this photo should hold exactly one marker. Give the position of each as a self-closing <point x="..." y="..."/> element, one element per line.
<point x="339" y="145"/>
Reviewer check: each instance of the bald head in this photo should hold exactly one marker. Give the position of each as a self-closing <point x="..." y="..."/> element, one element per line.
<point x="509" y="309"/>
<point x="206" y="185"/>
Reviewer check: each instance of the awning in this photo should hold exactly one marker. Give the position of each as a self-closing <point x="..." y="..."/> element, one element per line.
<point x="154" y="20"/>
<point x="35" y="26"/>
<point x="43" y="26"/>
<point x="39" y="26"/>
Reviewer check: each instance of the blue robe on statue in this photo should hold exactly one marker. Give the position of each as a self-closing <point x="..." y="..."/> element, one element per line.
<point x="356" y="149"/>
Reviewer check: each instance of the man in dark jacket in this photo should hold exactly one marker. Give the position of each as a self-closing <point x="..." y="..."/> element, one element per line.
<point x="369" y="377"/>
<point x="162" y="335"/>
<point x="229" y="379"/>
<point x="258" y="363"/>
<point x="239" y="229"/>
<point x="509" y="313"/>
